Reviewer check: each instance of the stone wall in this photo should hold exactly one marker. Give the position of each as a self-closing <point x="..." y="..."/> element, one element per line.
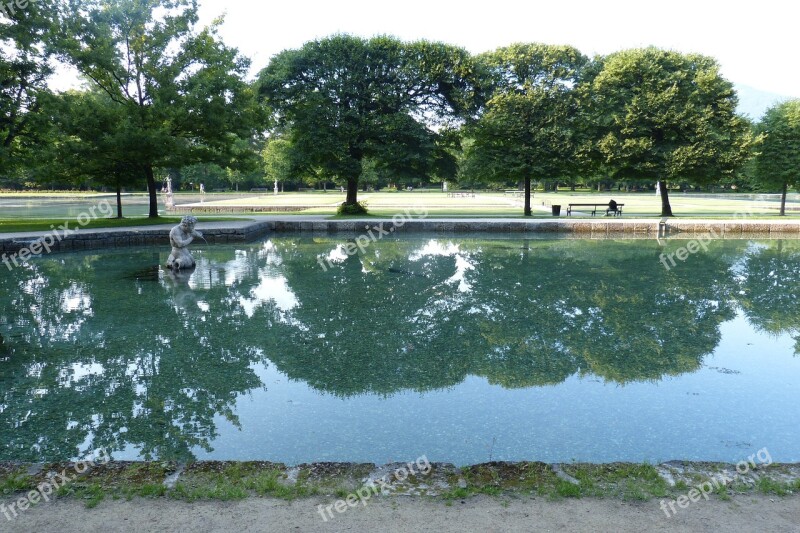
<point x="645" y="229"/>
<point x="98" y="239"/>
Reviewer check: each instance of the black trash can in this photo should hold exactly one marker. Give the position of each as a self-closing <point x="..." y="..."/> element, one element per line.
<point x="556" y="210"/>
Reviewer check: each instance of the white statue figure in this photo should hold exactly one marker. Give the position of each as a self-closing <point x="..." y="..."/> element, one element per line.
<point x="180" y="237"/>
<point x="169" y="201"/>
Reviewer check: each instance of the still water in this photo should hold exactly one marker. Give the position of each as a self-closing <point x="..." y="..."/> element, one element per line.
<point x="465" y="349"/>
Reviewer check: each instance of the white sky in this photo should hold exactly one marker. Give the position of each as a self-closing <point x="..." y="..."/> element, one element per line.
<point x="756" y="43"/>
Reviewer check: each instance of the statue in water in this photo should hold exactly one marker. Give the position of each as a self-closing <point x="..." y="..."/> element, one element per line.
<point x="180" y="237"/>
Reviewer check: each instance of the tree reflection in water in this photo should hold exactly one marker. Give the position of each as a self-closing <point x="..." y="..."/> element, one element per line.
<point x="98" y="353"/>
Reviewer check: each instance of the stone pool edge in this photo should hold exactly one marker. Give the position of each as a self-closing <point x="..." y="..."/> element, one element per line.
<point x="237" y="480"/>
<point x="250" y="231"/>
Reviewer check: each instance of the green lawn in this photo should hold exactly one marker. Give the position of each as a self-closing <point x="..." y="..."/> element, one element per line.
<point x="15" y="225"/>
<point x="497" y="204"/>
<point x="434" y="203"/>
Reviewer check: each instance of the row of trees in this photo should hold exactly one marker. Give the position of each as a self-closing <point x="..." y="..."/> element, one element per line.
<point x="164" y="96"/>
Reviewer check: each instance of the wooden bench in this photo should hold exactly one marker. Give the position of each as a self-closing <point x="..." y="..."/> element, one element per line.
<point x="596" y="208"/>
<point x="515" y="192"/>
<point x="461" y="194"/>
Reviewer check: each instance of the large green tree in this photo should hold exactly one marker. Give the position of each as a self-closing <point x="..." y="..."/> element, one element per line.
<point x="527" y="128"/>
<point x="24" y="68"/>
<point x="278" y="160"/>
<point x="92" y="138"/>
<point x="778" y="163"/>
<point x="182" y="91"/>
<point x="663" y="115"/>
<point x="344" y="99"/>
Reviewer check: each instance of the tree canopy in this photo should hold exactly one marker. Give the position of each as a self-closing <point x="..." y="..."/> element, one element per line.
<point x="360" y="112"/>
<point x="343" y="99"/>
<point x="527" y="127"/>
<point x="182" y="93"/>
<point x="24" y="69"/>
<point x="778" y="162"/>
<point x="663" y="115"/>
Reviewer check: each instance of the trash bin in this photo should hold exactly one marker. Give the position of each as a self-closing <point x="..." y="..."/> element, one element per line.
<point x="556" y="210"/>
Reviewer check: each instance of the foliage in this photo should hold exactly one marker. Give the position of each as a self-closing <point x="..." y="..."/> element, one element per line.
<point x="278" y="159"/>
<point x="663" y="115"/>
<point x="358" y="208"/>
<point x="778" y="163"/>
<point x="182" y="93"/>
<point x="526" y="130"/>
<point x="343" y="99"/>
<point x="24" y="68"/>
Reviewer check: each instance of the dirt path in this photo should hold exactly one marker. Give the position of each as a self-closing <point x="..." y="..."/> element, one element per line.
<point x="396" y="514"/>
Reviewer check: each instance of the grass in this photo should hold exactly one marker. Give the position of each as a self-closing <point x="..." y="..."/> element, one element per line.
<point x="15" y="225"/>
<point x="496" y="204"/>
<point x="485" y="204"/>
<point x="230" y="481"/>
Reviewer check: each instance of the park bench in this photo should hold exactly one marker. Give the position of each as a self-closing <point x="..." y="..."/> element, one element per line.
<point x="596" y="208"/>
<point x="461" y="194"/>
<point x="515" y="192"/>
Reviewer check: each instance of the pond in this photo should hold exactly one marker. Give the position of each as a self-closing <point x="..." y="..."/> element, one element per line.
<point x="465" y="349"/>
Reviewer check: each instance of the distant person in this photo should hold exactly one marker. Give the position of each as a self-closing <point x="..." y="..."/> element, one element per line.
<point x="202" y="189"/>
<point x="612" y="207"/>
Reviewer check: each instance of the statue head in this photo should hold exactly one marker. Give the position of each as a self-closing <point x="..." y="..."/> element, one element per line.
<point x="188" y="222"/>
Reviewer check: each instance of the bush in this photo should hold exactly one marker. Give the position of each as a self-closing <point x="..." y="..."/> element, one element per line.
<point x="359" y="208"/>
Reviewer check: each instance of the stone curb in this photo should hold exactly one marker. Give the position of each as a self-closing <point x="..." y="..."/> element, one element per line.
<point x="578" y="228"/>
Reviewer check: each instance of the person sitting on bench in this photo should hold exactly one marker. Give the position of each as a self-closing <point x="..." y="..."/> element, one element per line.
<point x="612" y="207"/>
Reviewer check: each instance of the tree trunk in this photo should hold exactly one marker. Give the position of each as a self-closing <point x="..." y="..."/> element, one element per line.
<point x="352" y="191"/>
<point x="151" y="188"/>
<point x="528" y="197"/>
<point x="119" y="201"/>
<point x="666" y="209"/>
<point x="783" y="199"/>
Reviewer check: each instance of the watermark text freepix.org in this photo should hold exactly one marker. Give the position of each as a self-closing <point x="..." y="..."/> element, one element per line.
<point x="423" y="466"/>
<point x="45" y="243"/>
<point x="10" y="7"/>
<point x="701" y="242"/>
<point x="45" y="489"/>
<point x="373" y="234"/>
<point x="717" y="482"/>
<point x="692" y="247"/>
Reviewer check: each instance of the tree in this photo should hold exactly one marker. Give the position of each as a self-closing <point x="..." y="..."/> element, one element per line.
<point x="778" y="163"/>
<point x="277" y="157"/>
<point x="661" y="115"/>
<point x="526" y="130"/>
<point x="182" y="92"/>
<point x="210" y="174"/>
<point x="24" y="69"/>
<point x="343" y="99"/>
<point x="93" y="138"/>
<point x="768" y="288"/>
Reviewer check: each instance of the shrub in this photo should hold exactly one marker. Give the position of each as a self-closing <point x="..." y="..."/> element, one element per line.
<point x="358" y="208"/>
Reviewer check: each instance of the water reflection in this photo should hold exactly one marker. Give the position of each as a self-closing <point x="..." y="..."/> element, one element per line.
<point x="108" y="350"/>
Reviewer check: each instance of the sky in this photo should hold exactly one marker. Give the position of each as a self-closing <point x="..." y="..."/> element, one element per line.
<point x="756" y="43"/>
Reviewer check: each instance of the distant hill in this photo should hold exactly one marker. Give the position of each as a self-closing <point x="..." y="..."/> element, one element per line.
<point x="754" y="102"/>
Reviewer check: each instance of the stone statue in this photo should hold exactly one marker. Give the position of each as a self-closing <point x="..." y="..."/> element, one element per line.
<point x="180" y="237"/>
<point x="169" y="201"/>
